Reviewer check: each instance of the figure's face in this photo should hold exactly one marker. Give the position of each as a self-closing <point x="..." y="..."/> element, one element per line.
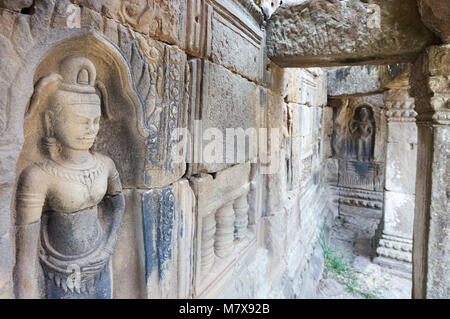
<point x="76" y="126"/>
<point x="363" y="114"/>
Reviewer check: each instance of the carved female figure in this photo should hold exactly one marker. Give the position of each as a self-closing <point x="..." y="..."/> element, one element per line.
<point x="57" y="203"/>
<point x="362" y="130"/>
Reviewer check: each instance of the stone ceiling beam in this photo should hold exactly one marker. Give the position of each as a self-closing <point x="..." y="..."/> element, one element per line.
<point x="347" y="32"/>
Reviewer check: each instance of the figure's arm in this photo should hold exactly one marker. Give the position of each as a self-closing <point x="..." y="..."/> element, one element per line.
<point x="30" y="198"/>
<point x="115" y="196"/>
<point x="353" y="127"/>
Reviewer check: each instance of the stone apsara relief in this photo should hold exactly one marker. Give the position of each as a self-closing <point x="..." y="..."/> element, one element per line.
<point x="362" y="130"/>
<point x="354" y="133"/>
<point x="57" y="213"/>
<point x="140" y="82"/>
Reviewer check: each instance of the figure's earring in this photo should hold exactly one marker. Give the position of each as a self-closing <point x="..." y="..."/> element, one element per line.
<point x="50" y="142"/>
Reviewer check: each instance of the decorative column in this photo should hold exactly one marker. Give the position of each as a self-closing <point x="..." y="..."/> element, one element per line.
<point x="207" y="250"/>
<point x="395" y="245"/>
<point x="241" y="222"/>
<point x="430" y="87"/>
<point x="224" y="238"/>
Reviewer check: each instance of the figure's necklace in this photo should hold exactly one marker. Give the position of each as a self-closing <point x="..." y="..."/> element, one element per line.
<point x="85" y="176"/>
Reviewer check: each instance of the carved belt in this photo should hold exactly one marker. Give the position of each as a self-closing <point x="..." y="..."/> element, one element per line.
<point x="74" y="273"/>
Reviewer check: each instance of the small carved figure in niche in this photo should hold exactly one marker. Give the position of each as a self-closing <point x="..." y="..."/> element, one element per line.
<point x="362" y="130"/>
<point x="58" y="220"/>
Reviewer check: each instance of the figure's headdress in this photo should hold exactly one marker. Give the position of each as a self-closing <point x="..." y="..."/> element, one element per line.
<point x="75" y="83"/>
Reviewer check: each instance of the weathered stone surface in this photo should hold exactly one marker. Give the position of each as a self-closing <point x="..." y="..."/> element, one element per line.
<point x="324" y="33"/>
<point x="16" y="5"/>
<point x="147" y="59"/>
<point x="327" y="132"/>
<point x="44" y="37"/>
<point x="268" y="7"/>
<point x="350" y="80"/>
<point x="237" y="232"/>
<point x="236" y="40"/>
<point x="215" y="253"/>
<point x="367" y="79"/>
<point x="429" y="87"/>
<point x="398" y="214"/>
<point x="274" y="77"/>
<point x="198" y="27"/>
<point x="306" y="86"/>
<point x="221" y="101"/>
<point x="6" y="263"/>
<point x="169" y="224"/>
<point x="156" y="18"/>
<point x="395" y="75"/>
<point x="429" y="84"/>
<point x="395" y="245"/>
<point x="400" y="172"/>
<point x="345" y="113"/>
<point x="434" y="14"/>
<point x="128" y="259"/>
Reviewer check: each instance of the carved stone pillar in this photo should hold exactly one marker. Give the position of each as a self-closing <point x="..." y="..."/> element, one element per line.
<point x="224" y="238"/>
<point x="241" y="222"/>
<point x="395" y="245"/>
<point x="207" y="251"/>
<point x="430" y="87"/>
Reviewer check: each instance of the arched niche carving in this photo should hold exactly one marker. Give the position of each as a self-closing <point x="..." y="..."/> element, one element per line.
<point x="354" y="131"/>
<point x="139" y="64"/>
<point x="121" y="134"/>
<point x="143" y="85"/>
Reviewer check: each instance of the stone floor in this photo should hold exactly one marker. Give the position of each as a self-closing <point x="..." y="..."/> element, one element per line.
<point x="371" y="279"/>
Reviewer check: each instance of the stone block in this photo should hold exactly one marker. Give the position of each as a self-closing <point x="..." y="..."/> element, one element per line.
<point x="362" y="175"/>
<point x="401" y="167"/>
<point x="331" y="171"/>
<point x="305" y="86"/>
<point x="128" y="257"/>
<point x="402" y="132"/>
<point x="388" y="31"/>
<point x="434" y="14"/>
<point x="305" y="121"/>
<point x="236" y="40"/>
<point x="398" y="214"/>
<point x="349" y="80"/>
<point x="168" y="223"/>
<point x="219" y="102"/>
<point x="274" y="77"/>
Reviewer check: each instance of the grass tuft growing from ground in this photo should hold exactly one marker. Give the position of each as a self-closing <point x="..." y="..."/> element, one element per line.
<point x="336" y="264"/>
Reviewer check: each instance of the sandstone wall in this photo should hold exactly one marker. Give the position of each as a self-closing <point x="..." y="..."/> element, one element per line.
<point x="175" y="64"/>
